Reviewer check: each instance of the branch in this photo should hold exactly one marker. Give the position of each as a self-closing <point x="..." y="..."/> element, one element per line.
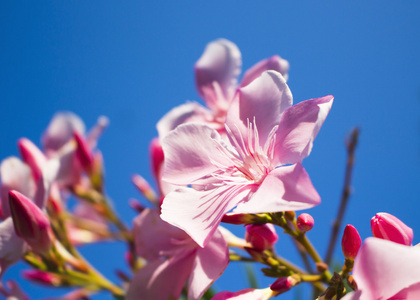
<point x="351" y="147"/>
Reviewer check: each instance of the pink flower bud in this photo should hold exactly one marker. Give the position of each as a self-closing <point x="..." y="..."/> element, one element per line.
<point x="388" y="227"/>
<point x="261" y="236"/>
<point x="351" y="242"/>
<point x="30" y="223"/>
<point x="144" y="188"/>
<point x="42" y="277"/>
<point x="156" y="155"/>
<point x="305" y="222"/>
<point x="237" y="219"/>
<point x="32" y="156"/>
<point x="283" y="284"/>
<point x="83" y="152"/>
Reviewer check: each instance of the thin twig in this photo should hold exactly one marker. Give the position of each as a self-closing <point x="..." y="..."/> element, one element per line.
<point x="351" y="147"/>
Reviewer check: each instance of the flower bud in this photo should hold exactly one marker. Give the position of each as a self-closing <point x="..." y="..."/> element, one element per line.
<point x="30" y="223"/>
<point x="283" y="284"/>
<point x="42" y="277"/>
<point x="305" y="222"/>
<point x="261" y="236"/>
<point x="83" y="152"/>
<point x="144" y="188"/>
<point x="237" y="219"/>
<point x="388" y="227"/>
<point x="32" y="156"/>
<point x="351" y="242"/>
<point x="156" y="155"/>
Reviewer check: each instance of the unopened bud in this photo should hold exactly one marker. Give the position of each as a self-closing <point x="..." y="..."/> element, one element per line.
<point x="351" y="242"/>
<point x="32" y="156"/>
<point x="42" y="277"/>
<point x="136" y="205"/>
<point x="156" y="155"/>
<point x="83" y="152"/>
<point x="305" y="222"/>
<point x="30" y="222"/>
<point x="144" y="188"/>
<point x="261" y="236"/>
<point x="283" y="284"/>
<point x="237" y="219"/>
<point x="388" y="227"/>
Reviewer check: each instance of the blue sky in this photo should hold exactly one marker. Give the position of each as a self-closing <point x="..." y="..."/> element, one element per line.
<point x="132" y="62"/>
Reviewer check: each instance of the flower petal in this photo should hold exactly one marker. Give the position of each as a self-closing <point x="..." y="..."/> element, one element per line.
<point x="12" y="247"/>
<point x="298" y="128"/>
<point x="199" y="213"/>
<point x="209" y="264"/>
<point x="60" y="130"/>
<point x="220" y="63"/>
<point x="191" y="151"/>
<point x="284" y="188"/>
<point x="188" y="112"/>
<point x="265" y="99"/>
<point x="15" y="175"/>
<point x="275" y="63"/>
<point x="161" y="279"/>
<point x="247" y="294"/>
<point x="384" y="268"/>
<point x="152" y="236"/>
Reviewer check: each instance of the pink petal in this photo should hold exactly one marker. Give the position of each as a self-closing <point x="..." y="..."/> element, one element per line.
<point x="410" y="293"/>
<point x="60" y="130"/>
<point x="220" y="64"/>
<point x="265" y="99"/>
<point x="275" y="63"/>
<point x="48" y="175"/>
<point x="191" y="151"/>
<point x="384" y="268"/>
<point x="70" y="169"/>
<point x="181" y="114"/>
<point x="161" y="279"/>
<point x="247" y="294"/>
<point x="12" y="247"/>
<point x="15" y="175"/>
<point x="284" y="188"/>
<point x="153" y="236"/>
<point x="298" y="128"/>
<point x="356" y="295"/>
<point x="199" y="213"/>
<point x="209" y="264"/>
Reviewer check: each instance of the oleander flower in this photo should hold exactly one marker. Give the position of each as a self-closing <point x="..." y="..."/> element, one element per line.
<point x="173" y="258"/>
<point x="216" y="77"/>
<point x="258" y="171"/>
<point x="385" y="270"/>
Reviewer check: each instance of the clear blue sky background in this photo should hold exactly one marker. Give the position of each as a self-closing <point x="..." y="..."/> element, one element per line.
<point x="132" y="61"/>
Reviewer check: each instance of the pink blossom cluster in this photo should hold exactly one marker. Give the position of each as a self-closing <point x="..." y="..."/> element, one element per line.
<point x="238" y="160"/>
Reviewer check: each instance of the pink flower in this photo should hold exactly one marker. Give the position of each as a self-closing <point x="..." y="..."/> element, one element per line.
<point x="260" y="171"/>
<point x="216" y="77"/>
<point x="386" y="270"/>
<point x="173" y="258"/>
<point x="74" y="153"/>
<point x="386" y="226"/>
<point x="16" y="175"/>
